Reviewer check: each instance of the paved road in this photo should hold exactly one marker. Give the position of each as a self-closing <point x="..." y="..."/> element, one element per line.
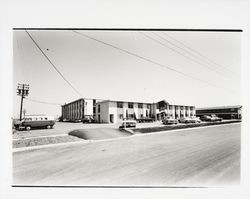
<point x="192" y="157"/>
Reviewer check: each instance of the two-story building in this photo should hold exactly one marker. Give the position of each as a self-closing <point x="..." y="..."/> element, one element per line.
<point x="110" y="111"/>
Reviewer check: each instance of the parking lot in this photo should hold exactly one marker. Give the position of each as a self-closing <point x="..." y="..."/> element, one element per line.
<point x="63" y="128"/>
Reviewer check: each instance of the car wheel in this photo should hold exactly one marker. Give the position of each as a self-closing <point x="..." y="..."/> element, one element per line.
<point x="48" y="127"/>
<point x="28" y="128"/>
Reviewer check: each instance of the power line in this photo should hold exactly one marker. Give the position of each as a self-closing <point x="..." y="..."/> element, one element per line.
<point x="42" y="102"/>
<point x="148" y="60"/>
<point x="194" y="55"/>
<point x="157" y="41"/>
<point x="198" y="53"/>
<point x="57" y="70"/>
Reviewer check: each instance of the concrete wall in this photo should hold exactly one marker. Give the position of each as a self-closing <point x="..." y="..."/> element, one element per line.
<point x="146" y="110"/>
<point x="140" y="112"/>
<point x="88" y="107"/>
<point x="125" y="108"/>
<point x="104" y="112"/>
<point x="113" y="110"/>
<point x="136" y="109"/>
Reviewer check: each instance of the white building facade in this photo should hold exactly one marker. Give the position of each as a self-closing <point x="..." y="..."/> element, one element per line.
<point x="115" y="111"/>
<point x="108" y="111"/>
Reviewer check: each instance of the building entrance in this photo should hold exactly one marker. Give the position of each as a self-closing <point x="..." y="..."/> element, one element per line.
<point x="111" y="118"/>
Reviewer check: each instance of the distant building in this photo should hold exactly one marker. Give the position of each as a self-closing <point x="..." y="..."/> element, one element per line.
<point x="225" y="112"/>
<point x="109" y="111"/>
<point x="79" y="109"/>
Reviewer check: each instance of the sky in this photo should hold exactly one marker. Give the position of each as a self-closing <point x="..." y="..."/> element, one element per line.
<point x="202" y="69"/>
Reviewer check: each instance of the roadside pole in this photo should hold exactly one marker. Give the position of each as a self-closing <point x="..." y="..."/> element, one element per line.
<point x="21" y="107"/>
<point x="22" y="90"/>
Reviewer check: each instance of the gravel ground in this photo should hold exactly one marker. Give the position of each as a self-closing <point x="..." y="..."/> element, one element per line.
<point x="43" y="141"/>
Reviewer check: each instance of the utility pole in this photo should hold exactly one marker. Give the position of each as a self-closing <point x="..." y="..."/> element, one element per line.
<point x="23" y="91"/>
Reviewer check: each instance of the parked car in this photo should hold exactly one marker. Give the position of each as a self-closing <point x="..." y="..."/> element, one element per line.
<point x="212" y="118"/>
<point x="191" y="119"/>
<point x="206" y="118"/>
<point x="184" y="120"/>
<point x="77" y="121"/>
<point x="145" y="119"/>
<point x="216" y="118"/>
<point x="128" y="124"/>
<point x="38" y="121"/>
<point x="88" y="120"/>
<point x="194" y="119"/>
<point x="169" y="121"/>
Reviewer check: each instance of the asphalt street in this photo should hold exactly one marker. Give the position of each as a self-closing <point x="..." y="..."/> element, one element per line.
<point x="208" y="156"/>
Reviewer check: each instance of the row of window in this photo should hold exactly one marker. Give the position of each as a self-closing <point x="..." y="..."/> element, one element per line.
<point x="180" y="107"/>
<point x="120" y="116"/>
<point x="131" y="105"/>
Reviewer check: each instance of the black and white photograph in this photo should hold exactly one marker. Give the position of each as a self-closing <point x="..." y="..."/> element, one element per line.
<point x="127" y="107"/>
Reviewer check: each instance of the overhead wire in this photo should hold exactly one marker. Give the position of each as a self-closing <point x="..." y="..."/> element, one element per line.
<point x="42" y="102"/>
<point x="197" y="56"/>
<point x="53" y="65"/>
<point x="176" y="51"/>
<point x="149" y="60"/>
<point x="208" y="60"/>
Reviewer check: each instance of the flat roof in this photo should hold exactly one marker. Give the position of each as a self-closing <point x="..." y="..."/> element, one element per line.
<point x="108" y="100"/>
<point x="124" y="101"/>
<point x="79" y="100"/>
<point x="219" y="107"/>
<point x="143" y="102"/>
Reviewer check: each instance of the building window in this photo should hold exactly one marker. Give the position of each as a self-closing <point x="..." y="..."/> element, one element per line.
<point x="130" y="105"/>
<point x="148" y="106"/>
<point x="140" y="105"/>
<point x="94" y="109"/>
<point x="99" y="108"/>
<point x="119" y="105"/>
<point x="131" y="116"/>
<point x="28" y="119"/>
